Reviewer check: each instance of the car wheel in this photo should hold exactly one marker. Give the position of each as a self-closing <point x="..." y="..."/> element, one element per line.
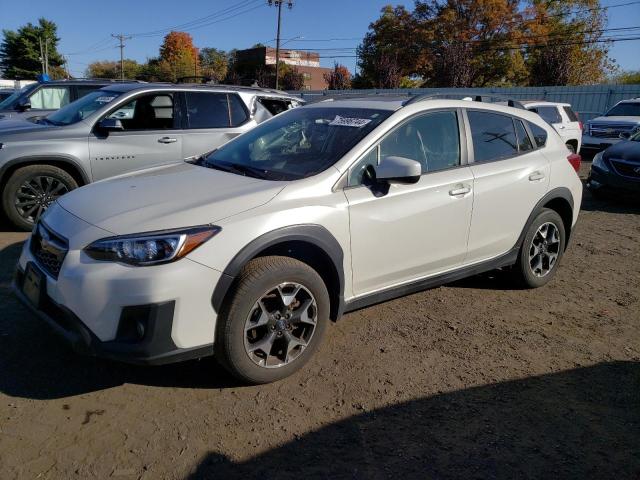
<point x="541" y="250"/>
<point x="30" y="190"/>
<point x="274" y="321"/>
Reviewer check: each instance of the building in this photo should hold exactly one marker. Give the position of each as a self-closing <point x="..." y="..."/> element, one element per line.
<point x="250" y="61"/>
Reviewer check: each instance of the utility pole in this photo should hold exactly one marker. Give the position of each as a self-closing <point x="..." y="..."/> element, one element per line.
<point x="121" y="38"/>
<point x="278" y="4"/>
<point x="41" y="55"/>
<point x="46" y="56"/>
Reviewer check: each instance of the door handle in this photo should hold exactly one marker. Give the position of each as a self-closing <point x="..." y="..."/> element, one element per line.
<point x="167" y="140"/>
<point x="460" y="190"/>
<point x="536" y="176"/>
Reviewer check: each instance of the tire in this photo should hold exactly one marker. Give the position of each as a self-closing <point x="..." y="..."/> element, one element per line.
<point x="535" y="270"/>
<point x="30" y="190"/>
<point x="273" y="281"/>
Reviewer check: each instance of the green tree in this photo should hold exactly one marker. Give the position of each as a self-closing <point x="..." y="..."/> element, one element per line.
<point x="627" y="78"/>
<point x="292" y="79"/>
<point x="20" y="51"/>
<point x="214" y="64"/>
<point x="111" y="69"/>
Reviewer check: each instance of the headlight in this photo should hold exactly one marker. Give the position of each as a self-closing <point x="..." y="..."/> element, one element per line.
<point x="151" y="248"/>
<point x="598" y="161"/>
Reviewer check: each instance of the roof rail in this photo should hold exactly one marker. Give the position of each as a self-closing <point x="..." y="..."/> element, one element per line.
<point x="470" y="96"/>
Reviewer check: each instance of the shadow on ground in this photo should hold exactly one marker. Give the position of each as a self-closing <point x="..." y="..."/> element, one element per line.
<point x="577" y="424"/>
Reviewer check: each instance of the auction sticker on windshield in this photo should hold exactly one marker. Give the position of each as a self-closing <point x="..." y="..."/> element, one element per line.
<point x="104" y="99"/>
<point x="349" y="122"/>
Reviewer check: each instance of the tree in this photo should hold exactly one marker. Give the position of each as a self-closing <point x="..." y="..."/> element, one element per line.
<point x="339" y="78"/>
<point x="292" y="79"/>
<point x="214" y="64"/>
<point x="20" y="51"/>
<point x="628" y="78"/>
<point x="111" y="69"/>
<point x="178" y="57"/>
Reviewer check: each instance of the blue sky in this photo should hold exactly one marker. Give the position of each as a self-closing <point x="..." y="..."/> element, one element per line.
<point x="85" y="27"/>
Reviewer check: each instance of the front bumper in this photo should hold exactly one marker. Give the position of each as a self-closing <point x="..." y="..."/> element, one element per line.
<point x="596" y="144"/>
<point x="606" y="180"/>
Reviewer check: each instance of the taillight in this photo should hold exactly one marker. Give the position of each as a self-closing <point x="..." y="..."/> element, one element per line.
<point x="580" y="125"/>
<point x="575" y="160"/>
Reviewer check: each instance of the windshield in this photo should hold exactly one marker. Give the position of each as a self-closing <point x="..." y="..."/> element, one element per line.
<point x="82" y="108"/>
<point x="625" y="110"/>
<point x="11" y="102"/>
<point x="298" y="143"/>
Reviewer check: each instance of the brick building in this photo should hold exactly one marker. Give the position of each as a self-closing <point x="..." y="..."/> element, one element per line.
<point x="308" y="63"/>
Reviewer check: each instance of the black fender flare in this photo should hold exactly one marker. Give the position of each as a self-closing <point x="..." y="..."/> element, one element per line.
<point x="313" y="234"/>
<point x="34" y="159"/>
<point x="559" y="192"/>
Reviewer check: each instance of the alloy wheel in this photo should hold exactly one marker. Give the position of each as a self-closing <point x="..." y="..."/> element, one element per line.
<point x="544" y="249"/>
<point x="36" y="194"/>
<point x="280" y="325"/>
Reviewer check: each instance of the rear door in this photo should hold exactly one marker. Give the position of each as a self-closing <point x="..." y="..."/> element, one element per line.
<point x="551" y="114"/>
<point x="211" y="120"/>
<point x="152" y="136"/>
<point x="572" y="122"/>
<point x="510" y="177"/>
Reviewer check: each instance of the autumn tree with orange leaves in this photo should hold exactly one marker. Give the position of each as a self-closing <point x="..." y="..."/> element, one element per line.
<point x="178" y="57"/>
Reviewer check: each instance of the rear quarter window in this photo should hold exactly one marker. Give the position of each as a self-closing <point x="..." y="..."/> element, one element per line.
<point x="571" y="114"/>
<point x="539" y="134"/>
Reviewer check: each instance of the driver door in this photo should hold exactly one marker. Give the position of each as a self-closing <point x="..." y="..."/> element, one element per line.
<point x="151" y="136"/>
<point x="411" y="231"/>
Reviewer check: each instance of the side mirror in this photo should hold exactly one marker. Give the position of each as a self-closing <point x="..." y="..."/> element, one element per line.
<point x="24" y="105"/>
<point x="399" y="170"/>
<point x="110" y="125"/>
<point x="625" y="135"/>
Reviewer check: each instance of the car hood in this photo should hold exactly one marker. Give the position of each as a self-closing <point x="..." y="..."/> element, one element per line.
<point x="624" y="150"/>
<point x="614" y="119"/>
<point x="167" y="197"/>
<point x="21" y="125"/>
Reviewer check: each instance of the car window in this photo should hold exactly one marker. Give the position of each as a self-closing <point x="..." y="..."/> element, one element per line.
<point x="493" y="136"/>
<point x="82" y="108"/>
<point x="49" y="98"/>
<point x="359" y="174"/>
<point x="539" y="134"/>
<point x="627" y="109"/>
<point x="524" y="142"/>
<point x="298" y="143"/>
<point x="548" y="114"/>
<point x="238" y="111"/>
<point x="207" y="110"/>
<point x="83" y="90"/>
<point x="148" y="112"/>
<point x="12" y="100"/>
<point x="432" y="139"/>
<point x="275" y="106"/>
<point x="573" y="116"/>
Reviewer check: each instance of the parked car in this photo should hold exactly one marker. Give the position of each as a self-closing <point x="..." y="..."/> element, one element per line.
<point x="602" y="132"/>
<point x="118" y="129"/>
<point x="617" y="169"/>
<point x="249" y="252"/>
<point x="6" y="93"/>
<point x="37" y="100"/>
<point x="562" y="118"/>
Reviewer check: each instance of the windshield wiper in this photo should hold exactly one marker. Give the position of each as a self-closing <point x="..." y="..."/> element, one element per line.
<point x="237" y="168"/>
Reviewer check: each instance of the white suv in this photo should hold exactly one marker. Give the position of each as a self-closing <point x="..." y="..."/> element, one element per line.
<point x="250" y="252"/>
<point x="562" y="118"/>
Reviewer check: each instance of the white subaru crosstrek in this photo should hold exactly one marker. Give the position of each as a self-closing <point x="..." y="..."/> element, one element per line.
<point x="249" y="252"/>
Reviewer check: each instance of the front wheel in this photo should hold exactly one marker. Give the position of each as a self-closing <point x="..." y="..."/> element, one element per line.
<point x="31" y="189"/>
<point x="541" y="250"/>
<point x="274" y="321"/>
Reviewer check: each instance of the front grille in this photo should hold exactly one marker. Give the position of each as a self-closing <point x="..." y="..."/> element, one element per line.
<point x="626" y="169"/>
<point x="49" y="249"/>
<point x="609" y="130"/>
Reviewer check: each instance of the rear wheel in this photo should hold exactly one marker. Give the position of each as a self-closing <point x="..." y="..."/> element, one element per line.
<point x="30" y="190"/>
<point x="541" y="250"/>
<point x="274" y="321"/>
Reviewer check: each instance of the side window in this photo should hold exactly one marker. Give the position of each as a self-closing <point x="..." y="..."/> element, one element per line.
<point x="82" y="90"/>
<point x="493" y="135"/>
<point x="49" y="98"/>
<point x="207" y="110"/>
<point x="524" y="142"/>
<point x="539" y="134"/>
<point x="359" y="173"/>
<point x="433" y="139"/>
<point x="275" y="106"/>
<point x="549" y="114"/>
<point x="148" y="112"/>
<point x="571" y="114"/>
<point x="237" y="109"/>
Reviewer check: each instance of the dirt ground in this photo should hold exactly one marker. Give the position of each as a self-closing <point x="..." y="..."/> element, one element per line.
<point x="471" y="380"/>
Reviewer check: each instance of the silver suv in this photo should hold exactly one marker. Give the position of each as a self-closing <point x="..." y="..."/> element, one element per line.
<point x="118" y="129"/>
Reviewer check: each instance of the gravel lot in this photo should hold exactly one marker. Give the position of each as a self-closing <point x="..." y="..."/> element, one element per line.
<point x="472" y="380"/>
